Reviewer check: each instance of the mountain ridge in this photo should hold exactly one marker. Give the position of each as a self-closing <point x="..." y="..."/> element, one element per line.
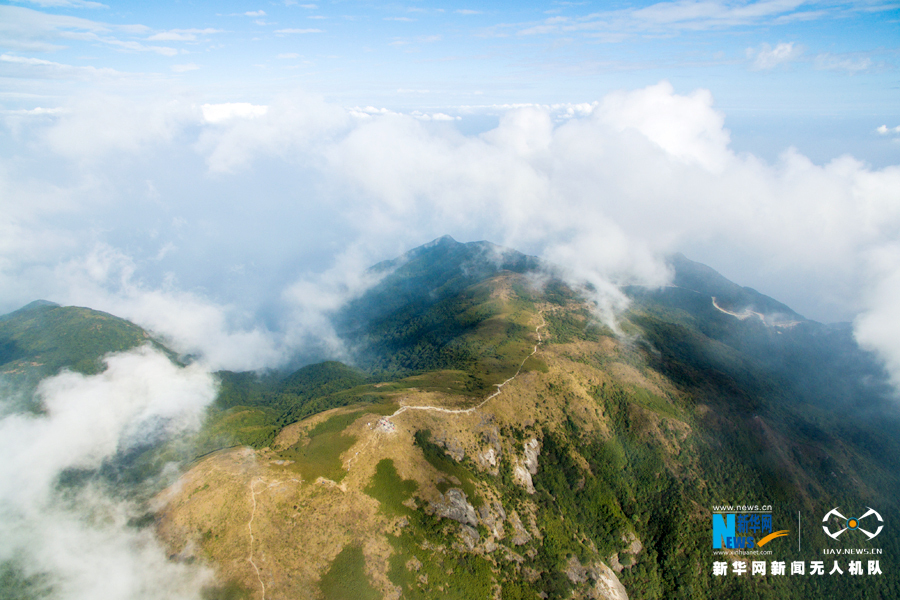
<point x="591" y="473"/>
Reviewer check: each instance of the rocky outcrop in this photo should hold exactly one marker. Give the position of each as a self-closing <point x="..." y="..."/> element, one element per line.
<point x="532" y="449"/>
<point x="625" y="558"/>
<point x="520" y="535"/>
<point x="527" y="465"/>
<point x="606" y="585"/>
<point x="469" y="537"/>
<point x="492" y="517"/>
<point x="522" y="477"/>
<point x="454" y="505"/>
<point x="451" y="446"/>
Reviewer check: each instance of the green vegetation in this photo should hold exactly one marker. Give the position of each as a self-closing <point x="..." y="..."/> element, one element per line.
<point x="438" y="459"/>
<point x="251" y="408"/>
<point x="38" y="340"/>
<point x="347" y="579"/>
<point x="797" y="417"/>
<point x="319" y="453"/>
<point x="424" y="568"/>
<point x="228" y="591"/>
<point x="16" y="584"/>
<point x="388" y="488"/>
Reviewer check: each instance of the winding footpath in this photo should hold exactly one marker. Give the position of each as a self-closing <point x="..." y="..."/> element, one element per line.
<point x="499" y="386"/>
<point x="461" y="411"/>
<point x="253" y="494"/>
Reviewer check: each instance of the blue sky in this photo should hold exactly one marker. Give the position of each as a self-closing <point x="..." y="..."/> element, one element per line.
<point x="780" y="70"/>
<point x="222" y="172"/>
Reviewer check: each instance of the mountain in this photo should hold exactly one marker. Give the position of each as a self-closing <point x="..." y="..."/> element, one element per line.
<point x="495" y="440"/>
<point x="40" y="339"/>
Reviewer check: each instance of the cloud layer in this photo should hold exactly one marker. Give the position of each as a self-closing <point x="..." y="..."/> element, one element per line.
<point x="77" y="541"/>
<point x="219" y="225"/>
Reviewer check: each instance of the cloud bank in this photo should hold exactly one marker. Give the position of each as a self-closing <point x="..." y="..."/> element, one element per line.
<point x="76" y="539"/>
<point x="234" y="229"/>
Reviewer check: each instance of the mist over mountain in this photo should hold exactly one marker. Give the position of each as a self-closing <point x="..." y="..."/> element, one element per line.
<point x="491" y="435"/>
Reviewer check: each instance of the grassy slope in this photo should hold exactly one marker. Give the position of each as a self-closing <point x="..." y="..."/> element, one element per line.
<point x="40" y="339"/>
<point x="637" y="439"/>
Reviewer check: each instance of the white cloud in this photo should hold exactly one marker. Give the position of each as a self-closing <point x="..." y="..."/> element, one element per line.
<point x="767" y="57"/>
<point x="83" y="543"/>
<point x="684" y="126"/>
<point x="255" y="13"/>
<point x="604" y="187"/>
<point x="676" y="16"/>
<point x="67" y="3"/>
<point x="37" y="68"/>
<point x="878" y="327"/>
<point x="181" y="35"/>
<point x="185" y="67"/>
<point x="291" y="124"/>
<point x="100" y="124"/>
<point x="217" y="113"/>
<point x="24" y="29"/>
<point x="286" y="31"/>
<point x="840" y="62"/>
<point x="885" y="130"/>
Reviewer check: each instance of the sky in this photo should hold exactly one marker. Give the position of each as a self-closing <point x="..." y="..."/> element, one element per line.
<point x="223" y="173"/>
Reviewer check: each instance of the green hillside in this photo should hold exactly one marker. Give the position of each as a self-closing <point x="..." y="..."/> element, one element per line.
<point x="41" y="338"/>
<point x="721" y="396"/>
<point x="597" y="464"/>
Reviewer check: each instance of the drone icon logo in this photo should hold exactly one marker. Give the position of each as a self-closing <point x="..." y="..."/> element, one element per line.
<point x="852" y="523"/>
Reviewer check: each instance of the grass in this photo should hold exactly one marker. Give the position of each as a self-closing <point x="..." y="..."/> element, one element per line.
<point x="438" y="459"/>
<point x="320" y="456"/>
<point x="239" y="425"/>
<point x="346" y="579"/>
<point x="443" y="573"/>
<point x="389" y="489"/>
<point x="655" y="403"/>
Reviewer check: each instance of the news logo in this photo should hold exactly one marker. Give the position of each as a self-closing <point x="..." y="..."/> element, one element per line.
<point x="744" y="530"/>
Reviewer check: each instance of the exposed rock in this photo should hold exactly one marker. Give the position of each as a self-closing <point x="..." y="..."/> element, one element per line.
<point x="575" y="571"/>
<point x="469" y="536"/>
<point x="414" y="564"/>
<point x="488" y="460"/>
<point x="532" y="449"/>
<point x="490" y="545"/>
<point x="607" y="586"/>
<point x="513" y="556"/>
<point x="520" y="534"/>
<point x="453" y="505"/>
<point x="634" y="547"/>
<point x="452" y="447"/>
<point x="614" y="563"/>
<point x="492" y="518"/>
<point x="521" y="476"/>
<point x="635" y="544"/>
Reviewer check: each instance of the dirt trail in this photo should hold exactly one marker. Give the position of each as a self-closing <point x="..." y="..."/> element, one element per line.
<point x="499" y="386"/>
<point x="386" y="421"/>
<point x="253" y="494"/>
